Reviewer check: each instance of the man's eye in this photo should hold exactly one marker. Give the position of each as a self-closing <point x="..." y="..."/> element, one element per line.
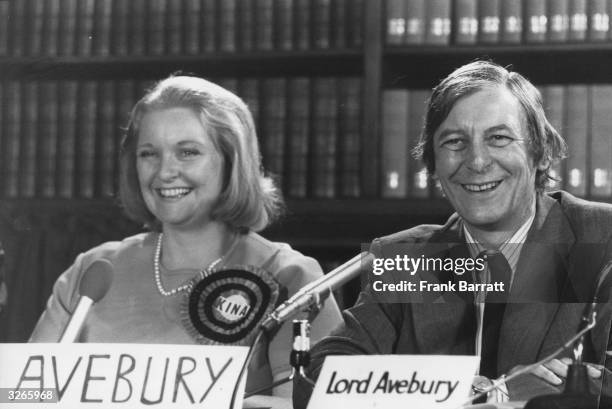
<point x="454" y="144"/>
<point x="500" y="141"/>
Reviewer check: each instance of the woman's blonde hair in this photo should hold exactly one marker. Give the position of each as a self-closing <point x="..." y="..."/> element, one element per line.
<point x="248" y="200"/>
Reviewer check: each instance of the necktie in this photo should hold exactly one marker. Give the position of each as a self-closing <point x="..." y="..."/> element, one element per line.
<point x="499" y="271"/>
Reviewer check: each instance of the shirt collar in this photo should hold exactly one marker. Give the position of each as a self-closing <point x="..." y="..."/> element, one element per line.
<point x="511" y="248"/>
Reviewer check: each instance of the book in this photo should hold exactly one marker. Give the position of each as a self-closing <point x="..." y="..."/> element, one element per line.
<point x="4" y="28"/>
<point x="576" y="127"/>
<point x="394" y="160"/>
<point x="175" y="19"/>
<point x="298" y="133"/>
<point x="273" y="124"/>
<point x="283" y="23"/>
<point x="245" y="25"/>
<point x="511" y="21"/>
<point x="50" y="29"/>
<point x="66" y="155"/>
<point x="601" y="142"/>
<point x="321" y="24"/>
<point x="29" y="142"/>
<point x="536" y="20"/>
<point x="156" y="27"/>
<point x="438" y="23"/>
<point x="418" y="178"/>
<point x="17" y="28"/>
<point x="599" y="20"/>
<point x="465" y="22"/>
<point x="138" y="27"/>
<point x="578" y="20"/>
<point x="34" y="26"/>
<point x="86" y="138"/>
<point x="121" y="21"/>
<point x="126" y="96"/>
<point x="558" y="20"/>
<point x="324" y="124"/>
<point x="208" y="22"/>
<point x="302" y="23"/>
<point x="227" y="26"/>
<point x="125" y="101"/>
<point x="67" y="27"/>
<point x="264" y="25"/>
<point x="11" y="139"/>
<point x="355" y="23"/>
<point x="3" y="97"/>
<point x="106" y="149"/>
<point x="554" y="98"/>
<point x="192" y="27"/>
<point x="415" y="22"/>
<point x="489" y="14"/>
<point x="395" y="22"/>
<point x="102" y="27"/>
<point x="84" y="27"/>
<point x="48" y="136"/>
<point x="340" y="23"/>
<point x="349" y="132"/>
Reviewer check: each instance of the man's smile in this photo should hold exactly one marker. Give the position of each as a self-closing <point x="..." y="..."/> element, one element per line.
<point x="481" y="187"/>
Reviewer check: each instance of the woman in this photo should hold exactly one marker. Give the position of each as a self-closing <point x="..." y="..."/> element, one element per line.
<point x="191" y="172"/>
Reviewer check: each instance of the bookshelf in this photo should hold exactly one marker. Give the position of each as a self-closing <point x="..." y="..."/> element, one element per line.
<point x="337" y="40"/>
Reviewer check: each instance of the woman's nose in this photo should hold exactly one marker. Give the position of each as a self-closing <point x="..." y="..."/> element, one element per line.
<point x="169" y="167"/>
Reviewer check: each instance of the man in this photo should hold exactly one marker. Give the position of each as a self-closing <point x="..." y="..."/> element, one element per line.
<point x="487" y="141"/>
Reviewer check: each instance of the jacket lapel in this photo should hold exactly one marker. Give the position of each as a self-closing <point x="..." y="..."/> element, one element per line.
<point x="445" y="322"/>
<point x="539" y="281"/>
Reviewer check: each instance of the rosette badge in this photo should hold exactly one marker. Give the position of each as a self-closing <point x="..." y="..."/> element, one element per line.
<point x="226" y="306"/>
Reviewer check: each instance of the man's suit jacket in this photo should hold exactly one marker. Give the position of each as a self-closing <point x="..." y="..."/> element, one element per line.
<point x="567" y="245"/>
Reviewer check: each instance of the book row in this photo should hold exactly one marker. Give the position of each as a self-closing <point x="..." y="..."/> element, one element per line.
<point x="175" y="27"/>
<point x="61" y="138"/>
<point x="582" y="114"/>
<point x="468" y="22"/>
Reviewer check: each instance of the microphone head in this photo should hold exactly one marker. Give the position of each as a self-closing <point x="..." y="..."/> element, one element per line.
<point x="96" y="280"/>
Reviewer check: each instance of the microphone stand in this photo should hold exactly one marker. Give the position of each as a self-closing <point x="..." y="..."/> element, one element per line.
<point x="526" y="369"/>
<point x="298" y="362"/>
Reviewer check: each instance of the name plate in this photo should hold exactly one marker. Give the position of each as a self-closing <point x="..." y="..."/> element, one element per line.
<point x="67" y="376"/>
<point x="394" y="381"/>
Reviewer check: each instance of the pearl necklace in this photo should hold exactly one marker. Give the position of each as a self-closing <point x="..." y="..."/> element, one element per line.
<point x="156" y="262"/>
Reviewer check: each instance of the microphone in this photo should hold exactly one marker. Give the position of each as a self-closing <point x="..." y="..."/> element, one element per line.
<point x="317" y="291"/>
<point x="576" y="393"/>
<point x="94" y="285"/>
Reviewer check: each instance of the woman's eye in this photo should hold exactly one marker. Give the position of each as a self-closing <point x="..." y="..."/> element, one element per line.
<point x="189" y="152"/>
<point x="454" y="144"/>
<point x="499" y="140"/>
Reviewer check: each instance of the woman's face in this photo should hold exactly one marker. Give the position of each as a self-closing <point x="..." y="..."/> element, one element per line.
<point x="180" y="171"/>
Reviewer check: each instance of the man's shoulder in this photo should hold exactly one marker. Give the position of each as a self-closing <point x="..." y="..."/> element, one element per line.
<point x="580" y="208"/>
<point x="591" y="220"/>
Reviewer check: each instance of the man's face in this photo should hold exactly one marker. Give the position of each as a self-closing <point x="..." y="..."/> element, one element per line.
<point x="483" y="162"/>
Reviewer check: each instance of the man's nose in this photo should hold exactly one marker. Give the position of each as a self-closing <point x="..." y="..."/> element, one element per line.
<point x="478" y="156"/>
<point x="169" y="167"/>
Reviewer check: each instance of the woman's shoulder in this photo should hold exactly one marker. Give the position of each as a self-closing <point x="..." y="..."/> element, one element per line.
<point x="278" y="258"/>
<point x="116" y="250"/>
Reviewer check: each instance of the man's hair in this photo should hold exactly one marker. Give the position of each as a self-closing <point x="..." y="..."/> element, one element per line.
<point x="248" y="199"/>
<point x="544" y="142"/>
